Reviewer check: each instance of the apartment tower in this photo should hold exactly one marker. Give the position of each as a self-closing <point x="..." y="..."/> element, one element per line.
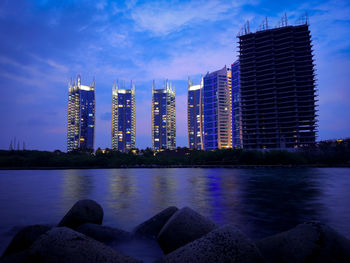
<point x="217" y="110"/>
<point x="163" y="117"/>
<point x="277" y="86"/>
<point x="123" y="117"/>
<point x="236" y="107"/>
<point x="81" y="116"/>
<point x="194" y="115"/>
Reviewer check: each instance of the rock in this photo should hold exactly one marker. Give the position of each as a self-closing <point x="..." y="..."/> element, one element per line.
<point x="83" y="211"/>
<point x="183" y="227"/>
<point x="19" y="257"/>
<point x="62" y="244"/>
<point x="103" y="234"/>
<point x="308" y="242"/>
<point x="224" y="244"/>
<point x="152" y="226"/>
<point x="25" y="238"/>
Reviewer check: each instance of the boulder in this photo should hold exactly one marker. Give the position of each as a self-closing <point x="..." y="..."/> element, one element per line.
<point x="25" y="238"/>
<point x="83" y="211"/>
<point x="183" y="227"/>
<point x="224" y="244"/>
<point x="152" y="226"/>
<point x="62" y="244"/>
<point x="308" y="242"/>
<point x="104" y="234"/>
<point x="19" y="257"/>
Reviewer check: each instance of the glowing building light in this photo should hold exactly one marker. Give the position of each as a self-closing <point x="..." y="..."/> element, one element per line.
<point x="123" y="118"/>
<point x="81" y="116"/>
<point x="194" y="115"/>
<point x="163" y="116"/>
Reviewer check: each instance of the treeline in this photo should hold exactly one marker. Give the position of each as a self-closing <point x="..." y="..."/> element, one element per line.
<point x="327" y="153"/>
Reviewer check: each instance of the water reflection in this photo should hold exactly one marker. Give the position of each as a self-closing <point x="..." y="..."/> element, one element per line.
<point x="163" y="189"/>
<point x="260" y="201"/>
<point x="197" y="191"/>
<point x="77" y="185"/>
<point x="121" y="196"/>
<point x="277" y="200"/>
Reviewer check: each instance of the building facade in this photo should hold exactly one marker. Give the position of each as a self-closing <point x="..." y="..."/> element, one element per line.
<point x="217" y="110"/>
<point x="194" y="115"/>
<point x="236" y="107"/>
<point x="81" y="116"/>
<point x="123" y="118"/>
<point x="163" y="118"/>
<point x="278" y="88"/>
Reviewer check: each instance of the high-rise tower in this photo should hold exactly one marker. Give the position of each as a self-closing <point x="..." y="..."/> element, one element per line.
<point x="278" y="88"/>
<point x="195" y="115"/>
<point x="163" y="117"/>
<point x="236" y="107"/>
<point x="123" y="118"/>
<point x="217" y="110"/>
<point x="81" y="116"/>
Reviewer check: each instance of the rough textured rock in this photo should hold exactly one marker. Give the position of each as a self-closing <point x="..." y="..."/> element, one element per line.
<point x="83" y="211"/>
<point x="19" y="257"/>
<point x="308" y="242"/>
<point x="25" y="238"/>
<point x="224" y="244"/>
<point x="183" y="227"/>
<point x="62" y="244"/>
<point x="104" y="234"/>
<point x="152" y="226"/>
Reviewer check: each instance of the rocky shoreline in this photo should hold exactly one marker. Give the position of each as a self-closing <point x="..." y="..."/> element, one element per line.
<point x="183" y="235"/>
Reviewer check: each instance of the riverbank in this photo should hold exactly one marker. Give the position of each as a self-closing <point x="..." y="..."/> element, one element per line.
<point x="178" y="166"/>
<point x="179" y="158"/>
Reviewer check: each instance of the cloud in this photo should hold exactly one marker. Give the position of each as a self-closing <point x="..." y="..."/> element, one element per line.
<point x="162" y="18"/>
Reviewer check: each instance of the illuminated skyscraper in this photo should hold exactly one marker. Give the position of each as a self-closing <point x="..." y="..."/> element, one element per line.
<point x="163" y="118"/>
<point x="81" y="116"/>
<point x="194" y="115"/>
<point x="236" y="107"/>
<point x="217" y="110"/>
<point x="123" y="118"/>
<point x="277" y="86"/>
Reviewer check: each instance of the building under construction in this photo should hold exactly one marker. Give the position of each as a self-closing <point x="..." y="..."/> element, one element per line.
<point x="277" y="86"/>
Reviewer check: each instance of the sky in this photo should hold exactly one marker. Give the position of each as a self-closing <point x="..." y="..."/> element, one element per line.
<point x="46" y="43"/>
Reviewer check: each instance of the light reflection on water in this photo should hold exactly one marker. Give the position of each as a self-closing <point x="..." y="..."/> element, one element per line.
<point x="259" y="201"/>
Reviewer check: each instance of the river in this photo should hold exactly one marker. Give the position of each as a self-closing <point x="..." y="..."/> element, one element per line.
<point x="261" y="201"/>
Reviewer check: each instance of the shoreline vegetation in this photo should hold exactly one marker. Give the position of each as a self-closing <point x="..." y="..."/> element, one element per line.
<point x="335" y="153"/>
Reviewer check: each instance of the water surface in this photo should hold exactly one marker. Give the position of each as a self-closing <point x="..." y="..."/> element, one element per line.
<point x="260" y="202"/>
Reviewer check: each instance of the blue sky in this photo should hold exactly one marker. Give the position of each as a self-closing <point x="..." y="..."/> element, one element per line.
<point x="45" y="43"/>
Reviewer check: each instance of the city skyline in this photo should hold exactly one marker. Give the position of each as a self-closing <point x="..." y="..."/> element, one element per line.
<point x="45" y="46"/>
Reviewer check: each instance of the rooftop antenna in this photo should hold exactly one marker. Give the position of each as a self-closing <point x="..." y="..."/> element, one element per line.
<point x="93" y="82"/>
<point x="189" y="82"/>
<point x="132" y="86"/>
<point x="79" y="80"/>
<point x="10" y="147"/>
<point x="303" y="20"/>
<point x="14" y="143"/>
<point x="202" y="81"/>
<point x="264" y="25"/>
<point x="283" y="22"/>
<point x="245" y="29"/>
<point x="18" y="145"/>
<point x="153" y="85"/>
